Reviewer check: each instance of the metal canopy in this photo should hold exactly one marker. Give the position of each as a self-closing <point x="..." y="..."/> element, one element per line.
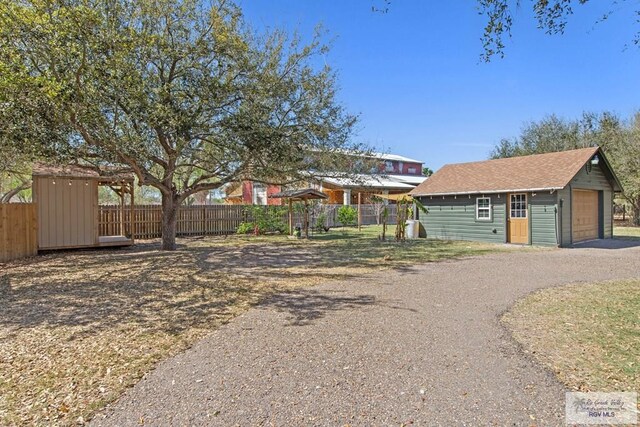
<point x="405" y="196"/>
<point x="304" y="194"/>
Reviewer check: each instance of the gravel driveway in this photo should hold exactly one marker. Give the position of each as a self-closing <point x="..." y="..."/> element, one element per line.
<point x="422" y="345"/>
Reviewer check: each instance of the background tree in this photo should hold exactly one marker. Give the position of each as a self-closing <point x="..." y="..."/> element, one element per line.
<point x="15" y="177"/>
<point x="379" y="205"/>
<point x="618" y="138"/>
<point x="552" y="17"/>
<point x="182" y="93"/>
<point x="426" y="171"/>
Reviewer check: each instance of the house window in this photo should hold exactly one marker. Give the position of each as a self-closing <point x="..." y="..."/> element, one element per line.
<point x="411" y="170"/>
<point x="518" y="208"/>
<point x="259" y="193"/>
<point x="483" y="209"/>
<point x="388" y="166"/>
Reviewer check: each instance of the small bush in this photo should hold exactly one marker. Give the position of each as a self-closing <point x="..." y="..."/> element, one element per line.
<point x="245" y="228"/>
<point x="347" y="215"/>
<point x="266" y="219"/>
<point x="321" y="221"/>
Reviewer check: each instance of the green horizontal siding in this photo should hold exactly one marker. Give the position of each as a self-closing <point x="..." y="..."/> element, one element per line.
<point x="564" y="200"/>
<point x="455" y="219"/>
<point x="542" y="220"/>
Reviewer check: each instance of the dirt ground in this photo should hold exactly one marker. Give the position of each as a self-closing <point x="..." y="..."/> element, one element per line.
<point x="77" y="328"/>
<point x="421" y="345"/>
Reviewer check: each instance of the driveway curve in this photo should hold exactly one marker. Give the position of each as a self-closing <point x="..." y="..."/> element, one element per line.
<point x="421" y="346"/>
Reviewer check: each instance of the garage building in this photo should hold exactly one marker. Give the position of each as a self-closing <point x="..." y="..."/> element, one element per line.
<point x="553" y="199"/>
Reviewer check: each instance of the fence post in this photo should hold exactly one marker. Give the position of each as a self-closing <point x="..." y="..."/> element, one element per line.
<point x="204" y="220"/>
<point x="359" y="211"/>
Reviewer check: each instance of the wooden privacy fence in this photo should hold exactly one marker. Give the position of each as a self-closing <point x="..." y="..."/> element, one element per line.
<point x="192" y="220"/>
<point x="18" y="231"/>
<point x="198" y="220"/>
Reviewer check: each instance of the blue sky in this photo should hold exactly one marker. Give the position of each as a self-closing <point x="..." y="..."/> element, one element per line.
<point x="415" y="78"/>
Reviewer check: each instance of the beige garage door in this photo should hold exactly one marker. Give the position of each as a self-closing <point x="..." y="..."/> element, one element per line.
<point x="585" y="215"/>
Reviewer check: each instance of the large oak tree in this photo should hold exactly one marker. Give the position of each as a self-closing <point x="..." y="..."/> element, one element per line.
<point x="182" y="93"/>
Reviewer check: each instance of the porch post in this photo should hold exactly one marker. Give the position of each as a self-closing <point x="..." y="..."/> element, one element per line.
<point x="346" y="198"/>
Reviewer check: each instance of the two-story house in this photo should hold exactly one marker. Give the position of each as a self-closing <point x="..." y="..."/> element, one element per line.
<point x="393" y="174"/>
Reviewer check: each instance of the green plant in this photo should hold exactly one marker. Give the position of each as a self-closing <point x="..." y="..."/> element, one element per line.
<point x="347" y="215"/>
<point x="385" y="218"/>
<point x="321" y="221"/>
<point x="406" y="208"/>
<point x="264" y="219"/>
<point x="245" y="228"/>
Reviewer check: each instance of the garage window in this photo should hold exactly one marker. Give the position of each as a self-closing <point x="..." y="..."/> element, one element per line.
<point x="483" y="209"/>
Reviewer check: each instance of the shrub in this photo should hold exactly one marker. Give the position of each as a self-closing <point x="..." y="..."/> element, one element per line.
<point x="347" y="215"/>
<point x="267" y="219"/>
<point x="321" y="221"/>
<point x="245" y="228"/>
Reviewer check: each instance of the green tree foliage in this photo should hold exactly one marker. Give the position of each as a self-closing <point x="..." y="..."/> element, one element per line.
<point x="347" y="215"/>
<point x="182" y="93"/>
<point x="426" y="171"/>
<point x="625" y="156"/>
<point x="619" y="139"/>
<point x="142" y="196"/>
<point x="264" y="219"/>
<point x="15" y="175"/>
<point x="552" y="17"/>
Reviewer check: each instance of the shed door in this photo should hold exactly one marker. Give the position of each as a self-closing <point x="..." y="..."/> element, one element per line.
<point x="518" y="219"/>
<point x="66" y="212"/>
<point x="585" y="215"/>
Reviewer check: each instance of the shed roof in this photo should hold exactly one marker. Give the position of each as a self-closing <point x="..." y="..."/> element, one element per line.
<point x="538" y="172"/>
<point x="76" y="171"/>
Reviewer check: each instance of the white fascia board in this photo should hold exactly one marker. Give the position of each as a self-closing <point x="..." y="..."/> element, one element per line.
<point x="519" y="190"/>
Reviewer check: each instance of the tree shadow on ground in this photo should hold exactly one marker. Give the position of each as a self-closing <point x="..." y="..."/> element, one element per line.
<point x="146" y="288"/>
<point x="308" y="305"/>
<point x="200" y="283"/>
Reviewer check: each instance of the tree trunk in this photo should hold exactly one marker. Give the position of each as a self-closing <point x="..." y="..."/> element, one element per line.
<point x="169" y="219"/>
<point x="6" y="198"/>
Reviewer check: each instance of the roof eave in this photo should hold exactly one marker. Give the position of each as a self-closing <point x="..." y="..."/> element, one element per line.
<point x="617" y="187"/>
<point x="514" y="190"/>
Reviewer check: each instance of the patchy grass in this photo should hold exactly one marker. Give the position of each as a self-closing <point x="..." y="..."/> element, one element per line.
<point x="627" y="232"/>
<point x="79" y="327"/>
<point x="589" y="335"/>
